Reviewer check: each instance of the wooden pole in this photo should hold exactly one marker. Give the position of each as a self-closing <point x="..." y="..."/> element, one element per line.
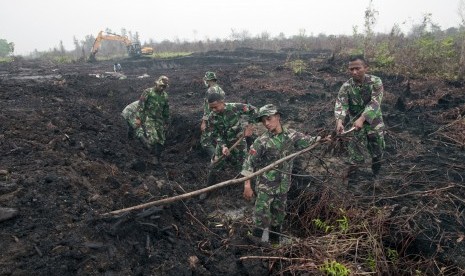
<point x="213" y="187"/>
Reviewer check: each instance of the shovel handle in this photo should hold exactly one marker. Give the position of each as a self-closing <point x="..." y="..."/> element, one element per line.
<point x="347" y="131"/>
<point x="230" y="149"/>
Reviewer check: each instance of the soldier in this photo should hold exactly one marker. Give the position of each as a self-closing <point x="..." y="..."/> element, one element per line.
<point x="210" y="81"/>
<point x="130" y="115"/>
<point x="117" y="68"/>
<point x="148" y="118"/>
<point x="272" y="187"/>
<point x="227" y="123"/>
<point x="360" y="98"/>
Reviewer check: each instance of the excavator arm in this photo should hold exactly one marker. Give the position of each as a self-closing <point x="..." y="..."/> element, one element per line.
<point x="133" y="48"/>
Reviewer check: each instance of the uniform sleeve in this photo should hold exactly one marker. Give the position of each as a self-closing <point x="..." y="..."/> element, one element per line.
<point x="373" y="108"/>
<point x="253" y="155"/>
<point x="342" y="102"/>
<point x="206" y="108"/>
<point x="142" y="104"/>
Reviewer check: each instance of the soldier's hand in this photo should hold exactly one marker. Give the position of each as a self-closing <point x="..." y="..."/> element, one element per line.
<point x="225" y="151"/>
<point x="248" y="192"/>
<point x="203" y="126"/>
<point x="339" y="126"/>
<point x="248" y="131"/>
<point x="358" y="124"/>
<point x="138" y="122"/>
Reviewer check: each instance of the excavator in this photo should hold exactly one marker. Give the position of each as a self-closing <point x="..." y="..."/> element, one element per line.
<point x="134" y="49"/>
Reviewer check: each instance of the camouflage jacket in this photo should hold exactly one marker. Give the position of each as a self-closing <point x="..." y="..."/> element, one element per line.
<point x="153" y="105"/>
<point x="130" y="113"/>
<point x="227" y="126"/>
<point x="269" y="148"/>
<point x="211" y="90"/>
<point x="354" y="100"/>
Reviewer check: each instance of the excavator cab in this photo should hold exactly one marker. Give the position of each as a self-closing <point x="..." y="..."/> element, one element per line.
<point x="134" y="49"/>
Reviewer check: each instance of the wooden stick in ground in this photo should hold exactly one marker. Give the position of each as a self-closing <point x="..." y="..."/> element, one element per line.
<point x="213" y="187"/>
<point x="230" y="149"/>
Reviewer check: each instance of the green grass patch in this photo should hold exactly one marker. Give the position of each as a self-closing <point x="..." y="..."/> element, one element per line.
<point x="6" y="59"/>
<point x="297" y="66"/>
<point x="171" y="54"/>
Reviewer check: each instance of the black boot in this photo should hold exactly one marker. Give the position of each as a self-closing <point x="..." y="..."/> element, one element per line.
<point x="157" y="149"/>
<point x="257" y="232"/>
<point x="275" y="232"/>
<point x="257" y="237"/>
<point x="130" y="132"/>
<point x="375" y="165"/>
<point x="211" y="178"/>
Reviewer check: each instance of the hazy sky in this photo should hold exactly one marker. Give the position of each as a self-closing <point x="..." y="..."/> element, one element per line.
<point x="41" y="24"/>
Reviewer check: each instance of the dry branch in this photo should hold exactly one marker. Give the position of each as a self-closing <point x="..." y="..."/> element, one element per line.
<point x="448" y="125"/>
<point x="277" y="258"/>
<point x="213" y="187"/>
<point x="417" y="193"/>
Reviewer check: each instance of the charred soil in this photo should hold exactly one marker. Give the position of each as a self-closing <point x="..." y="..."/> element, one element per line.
<point x="65" y="145"/>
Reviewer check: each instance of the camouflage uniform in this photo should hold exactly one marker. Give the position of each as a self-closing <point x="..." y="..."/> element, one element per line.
<point x="225" y="128"/>
<point x="154" y="115"/>
<point x="205" y="140"/>
<point x="152" y="110"/>
<point x="354" y="100"/>
<point x="271" y="187"/>
<point x="130" y="114"/>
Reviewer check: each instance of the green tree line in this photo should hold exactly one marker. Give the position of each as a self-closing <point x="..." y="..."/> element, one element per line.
<point x="425" y="50"/>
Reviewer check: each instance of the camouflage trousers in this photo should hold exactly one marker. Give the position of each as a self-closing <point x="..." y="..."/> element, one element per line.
<point x="270" y="209"/>
<point x="368" y="139"/>
<point x="207" y="143"/>
<point x="153" y="130"/>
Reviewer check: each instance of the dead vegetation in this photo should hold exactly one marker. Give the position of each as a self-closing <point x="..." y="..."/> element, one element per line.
<point x="70" y="161"/>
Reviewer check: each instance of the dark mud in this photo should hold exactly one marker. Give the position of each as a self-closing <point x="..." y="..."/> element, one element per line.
<point x="65" y="144"/>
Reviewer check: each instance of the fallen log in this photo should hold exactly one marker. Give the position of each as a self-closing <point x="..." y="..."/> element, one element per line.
<point x="213" y="187"/>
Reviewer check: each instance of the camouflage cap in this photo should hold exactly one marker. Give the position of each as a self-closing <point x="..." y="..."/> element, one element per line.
<point x="210" y="76"/>
<point x="162" y="81"/>
<point x="266" y="110"/>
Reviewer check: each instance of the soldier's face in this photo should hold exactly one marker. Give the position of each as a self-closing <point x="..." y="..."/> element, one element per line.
<point x="272" y="123"/>
<point x="160" y="88"/>
<point x="217" y="106"/>
<point x="357" y="70"/>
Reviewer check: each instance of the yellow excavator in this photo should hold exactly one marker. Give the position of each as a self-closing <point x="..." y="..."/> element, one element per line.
<point x="133" y="48"/>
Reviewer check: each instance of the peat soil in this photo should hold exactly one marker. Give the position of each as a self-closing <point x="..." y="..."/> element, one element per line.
<point x="65" y="145"/>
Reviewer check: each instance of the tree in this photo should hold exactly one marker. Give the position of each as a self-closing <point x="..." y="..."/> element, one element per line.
<point x="461" y="72"/>
<point x="6" y="48"/>
<point x="370" y="21"/>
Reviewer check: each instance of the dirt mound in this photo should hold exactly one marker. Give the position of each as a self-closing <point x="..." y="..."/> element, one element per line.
<point x="65" y="145"/>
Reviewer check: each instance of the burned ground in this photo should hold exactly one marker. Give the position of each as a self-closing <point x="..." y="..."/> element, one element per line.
<point x="65" y="144"/>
